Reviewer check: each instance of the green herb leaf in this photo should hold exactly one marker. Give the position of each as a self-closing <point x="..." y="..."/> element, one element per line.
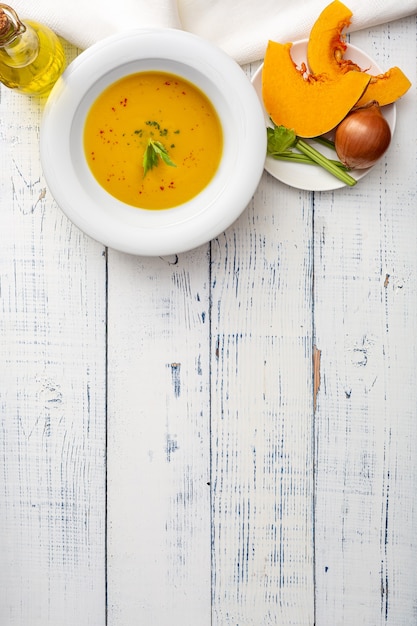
<point x="280" y="139"/>
<point x="154" y="151"/>
<point x="160" y="149"/>
<point x="150" y="158"/>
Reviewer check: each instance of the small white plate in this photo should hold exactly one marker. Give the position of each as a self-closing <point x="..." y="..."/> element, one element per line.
<point x="312" y="177"/>
<point x="137" y="230"/>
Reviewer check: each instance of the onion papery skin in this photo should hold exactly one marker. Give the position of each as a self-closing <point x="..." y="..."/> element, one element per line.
<point x="362" y="137"/>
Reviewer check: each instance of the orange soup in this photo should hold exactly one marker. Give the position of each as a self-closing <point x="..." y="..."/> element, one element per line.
<point x="164" y="119"/>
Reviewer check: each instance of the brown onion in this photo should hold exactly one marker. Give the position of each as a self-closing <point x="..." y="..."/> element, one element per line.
<point x="362" y="137"/>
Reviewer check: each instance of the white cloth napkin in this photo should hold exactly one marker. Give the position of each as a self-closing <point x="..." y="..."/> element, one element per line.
<point x="241" y="27"/>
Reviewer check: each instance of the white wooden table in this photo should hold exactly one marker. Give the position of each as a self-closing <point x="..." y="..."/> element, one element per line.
<point x="227" y="437"/>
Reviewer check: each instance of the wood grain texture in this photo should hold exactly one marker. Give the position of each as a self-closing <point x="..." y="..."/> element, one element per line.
<point x="262" y="454"/>
<point x="159" y="540"/>
<point x="52" y="351"/>
<point x="366" y="328"/>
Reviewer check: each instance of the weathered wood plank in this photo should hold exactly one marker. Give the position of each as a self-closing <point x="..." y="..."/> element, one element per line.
<point x="52" y="391"/>
<point x="159" y="537"/>
<point x="262" y="455"/>
<point x="366" y="328"/>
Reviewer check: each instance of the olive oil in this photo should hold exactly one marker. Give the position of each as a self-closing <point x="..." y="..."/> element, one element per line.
<point x="31" y="56"/>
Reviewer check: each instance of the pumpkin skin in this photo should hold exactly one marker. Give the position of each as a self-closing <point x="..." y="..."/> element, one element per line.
<point x="311" y="106"/>
<point x="325" y="54"/>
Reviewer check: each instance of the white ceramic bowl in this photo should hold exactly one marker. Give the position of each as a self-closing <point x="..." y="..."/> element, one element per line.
<point x="141" y="231"/>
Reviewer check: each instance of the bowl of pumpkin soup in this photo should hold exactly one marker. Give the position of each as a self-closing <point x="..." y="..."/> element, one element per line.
<point x="153" y="141"/>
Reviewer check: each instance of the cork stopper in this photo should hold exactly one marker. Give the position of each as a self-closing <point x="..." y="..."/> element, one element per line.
<point x="10" y="25"/>
<point x="4" y="22"/>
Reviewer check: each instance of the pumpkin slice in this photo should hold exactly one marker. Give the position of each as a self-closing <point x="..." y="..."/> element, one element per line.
<point x="327" y="47"/>
<point x="310" y="105"/>
<point x="386" y="88"/>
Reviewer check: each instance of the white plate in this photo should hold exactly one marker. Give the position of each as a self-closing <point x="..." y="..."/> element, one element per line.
<point x="312" y="177"/>
<point x="141" y="231"/>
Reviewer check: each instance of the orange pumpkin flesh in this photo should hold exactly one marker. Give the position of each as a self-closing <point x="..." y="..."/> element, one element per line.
<point x="325" y="45"/>
<point x="310" y="106"/>
<point x="386" y="88"/>
<point x="325" y="54"/>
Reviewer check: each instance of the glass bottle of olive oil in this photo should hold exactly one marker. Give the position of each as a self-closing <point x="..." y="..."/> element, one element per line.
<point x="31" y="55"/>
